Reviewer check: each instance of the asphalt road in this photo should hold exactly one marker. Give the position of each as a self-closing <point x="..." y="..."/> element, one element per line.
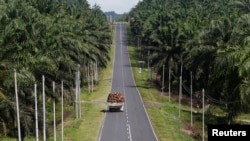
<point x="133" y="123"/>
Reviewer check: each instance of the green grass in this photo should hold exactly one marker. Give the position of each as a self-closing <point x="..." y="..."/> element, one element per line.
<point x="87" y="127"/>
<point x="12" y="139"/>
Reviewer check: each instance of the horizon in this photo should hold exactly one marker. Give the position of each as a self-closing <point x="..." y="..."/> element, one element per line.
<point x="118" y="6"/>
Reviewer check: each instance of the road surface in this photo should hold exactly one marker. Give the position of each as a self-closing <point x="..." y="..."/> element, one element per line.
<point x="133" y="123"/>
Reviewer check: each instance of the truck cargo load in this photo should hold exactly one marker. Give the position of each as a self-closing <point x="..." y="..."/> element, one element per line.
<point x="115" y="101"/>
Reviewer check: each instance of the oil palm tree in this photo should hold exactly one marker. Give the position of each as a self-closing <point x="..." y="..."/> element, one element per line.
<point x="45" y="38"/>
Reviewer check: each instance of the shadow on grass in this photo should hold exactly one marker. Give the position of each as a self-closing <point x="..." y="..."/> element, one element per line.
<point x="104" y="111"/>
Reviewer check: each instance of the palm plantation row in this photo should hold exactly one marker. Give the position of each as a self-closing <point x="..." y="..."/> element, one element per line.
<point x="51" y="38"/>
<point x="209" y="38"/>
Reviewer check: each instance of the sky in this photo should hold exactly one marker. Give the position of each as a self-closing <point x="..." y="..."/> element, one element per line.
<point x="119" y="6"/>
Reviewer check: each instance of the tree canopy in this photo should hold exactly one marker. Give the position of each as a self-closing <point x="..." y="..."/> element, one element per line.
<point x="50" y="38"/>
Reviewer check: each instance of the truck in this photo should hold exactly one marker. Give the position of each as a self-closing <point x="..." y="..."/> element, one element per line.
<point x="115" y="101"/>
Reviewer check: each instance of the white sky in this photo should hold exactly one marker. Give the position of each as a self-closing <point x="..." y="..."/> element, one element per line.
<point x="119" y="6"/>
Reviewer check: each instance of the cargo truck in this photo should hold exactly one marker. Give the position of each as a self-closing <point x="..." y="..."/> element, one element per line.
<point x="115" y="101"/>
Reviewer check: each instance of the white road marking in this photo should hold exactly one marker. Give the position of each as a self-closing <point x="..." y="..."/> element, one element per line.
<point x="129" y="132"/>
